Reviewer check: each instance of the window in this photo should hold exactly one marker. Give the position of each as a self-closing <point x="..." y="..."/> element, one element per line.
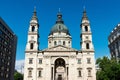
<point x="39" y="74"/>
<point x="1" y="74"/>
<point x="69" y="42"/>
<point x="30" y="60"/>
<point x="87" y="46"/>
<point x="8" y="63"/>
<point x="59" y="27"/>
<point x="33" y="28"/>
<point x="59" y="42"/>
<point x="7" y="69"/>
<point x="86" y="28"/>
<point x="40" y="61"/>
<point x="89" y="72"/>
<point x="32" y="37"/>
<point x="79" y="61"/>
<point x="63" y="42"/>
<point x="88" y="60"/>
<point x="31" y="46"/>
<point x="79" y="73"/>
<point x="87" y="37"/>
<point x="6" y="75"/>
<point x="30" y="73"/>
<point x="88" y="53"/>
<point x="0" y="32"/>
<point x="55" y="43"/>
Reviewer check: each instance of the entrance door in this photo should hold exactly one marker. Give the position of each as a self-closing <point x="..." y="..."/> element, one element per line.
<point x="59" y="77"/>
<point x="59" y="73"/>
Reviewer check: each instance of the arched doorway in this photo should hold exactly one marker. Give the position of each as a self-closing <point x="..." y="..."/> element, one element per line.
<point x="59" y="69"/>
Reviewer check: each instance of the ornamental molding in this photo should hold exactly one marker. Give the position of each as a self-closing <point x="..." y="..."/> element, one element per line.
<point x="47" y="56"/>
<point x="87" y="41"/>
<point x="79" y="68"/>
<point x="31" y="51"/>
<point x="86" y="33"/>
<point x="32" y="33"/>
<point x="30" y="68"/>
<point x="32" y="41"/>
<point x="60" y="48"/>
<point x="72" y="56"/>
<point x="39" y="68"/>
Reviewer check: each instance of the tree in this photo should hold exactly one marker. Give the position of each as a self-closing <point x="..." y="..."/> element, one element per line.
<point x="18" y="76"/>
<point x="109" y="69"/>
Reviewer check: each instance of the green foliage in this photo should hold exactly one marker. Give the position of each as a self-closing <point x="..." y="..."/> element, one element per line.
<point x="18" y="76"/>
<point x="109" y="69"/>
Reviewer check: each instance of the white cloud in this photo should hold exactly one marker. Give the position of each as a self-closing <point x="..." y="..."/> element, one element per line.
<point x="19" y="66"/>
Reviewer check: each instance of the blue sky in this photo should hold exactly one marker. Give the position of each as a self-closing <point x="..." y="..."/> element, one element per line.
<point x="104" y="15"/>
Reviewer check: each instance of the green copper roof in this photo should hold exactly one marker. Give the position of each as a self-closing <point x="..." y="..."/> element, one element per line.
<point x="59" y="26"/>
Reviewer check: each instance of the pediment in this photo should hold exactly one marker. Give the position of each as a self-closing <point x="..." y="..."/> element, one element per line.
<point x="60" y="48"/>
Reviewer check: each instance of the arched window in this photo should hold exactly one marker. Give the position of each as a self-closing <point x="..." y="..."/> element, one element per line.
<point x="55" y="43"/>
<point x="79" y="61"/>
<point x="31" y="46"/>
<point x="59" y="42"/>
<point x="69" y="42"/>
<point x="87" y="46"/>
<point x="39" y="73"/>
<point x="86" y="28"/>
<point x="33" y="28"/>
<point x="88" y="60"/>
<point x="59" y="27"/>
<point x="79" y="73"/>
<point x="63" y="42"/>
<point x="89" y="72"/>
<point x="30" y="73"/>
<point x="30" y="60"/>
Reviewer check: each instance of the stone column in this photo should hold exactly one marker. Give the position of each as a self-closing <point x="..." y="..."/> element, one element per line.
<point x="53" y="72"/>
<point x="67" y="72"/>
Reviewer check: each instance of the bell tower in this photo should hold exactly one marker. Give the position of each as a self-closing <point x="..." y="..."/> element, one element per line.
<point x="32" y="48"/>
<point x="87" y="48"/>
<point x="33" y="34"/>
<point x="86" y="34"/>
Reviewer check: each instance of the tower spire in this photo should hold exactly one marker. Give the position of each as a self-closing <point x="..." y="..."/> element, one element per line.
<point x="84" y="14"/>
<point x="86" y="41"/>
<point x="34" y="11"/>
<point x="34" y="17"/>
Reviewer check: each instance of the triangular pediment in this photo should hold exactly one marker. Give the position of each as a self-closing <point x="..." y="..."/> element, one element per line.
<point x="60" y="48"/>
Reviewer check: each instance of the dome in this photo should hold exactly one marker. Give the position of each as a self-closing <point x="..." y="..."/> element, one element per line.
<point x="59" y="26"/>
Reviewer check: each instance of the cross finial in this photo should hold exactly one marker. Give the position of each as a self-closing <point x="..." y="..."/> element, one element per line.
<point x="59" y="10"/>
<point x="34" y="8"/>
<point x="59" y="17"/>
<point x="84" y="8"/>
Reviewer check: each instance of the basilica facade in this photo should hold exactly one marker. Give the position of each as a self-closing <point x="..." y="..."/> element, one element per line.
<point x="59" y="61"/>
